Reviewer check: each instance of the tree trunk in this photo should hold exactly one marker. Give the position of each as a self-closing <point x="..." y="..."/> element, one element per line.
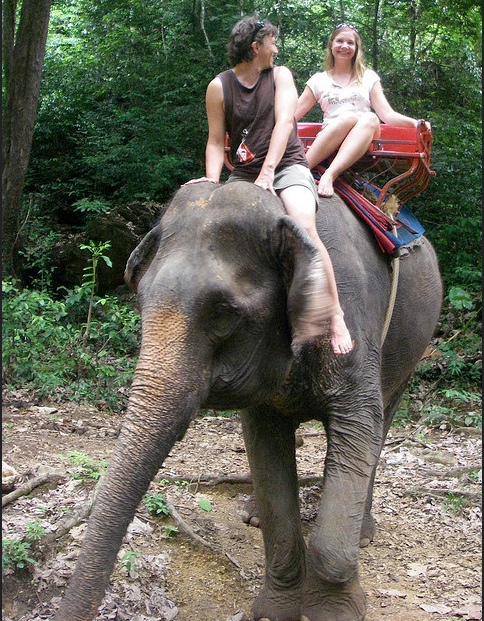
<point x="23" y="60"/>
<point x="375" y="52"/>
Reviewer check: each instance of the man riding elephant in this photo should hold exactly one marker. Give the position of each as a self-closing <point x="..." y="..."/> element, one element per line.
<point x="255" y="103"/>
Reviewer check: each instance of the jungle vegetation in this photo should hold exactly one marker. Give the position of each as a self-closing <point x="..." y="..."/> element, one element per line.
<point x="103" y="105"/>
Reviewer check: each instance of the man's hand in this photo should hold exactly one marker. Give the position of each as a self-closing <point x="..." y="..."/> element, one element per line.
<point x="265" y="181"/>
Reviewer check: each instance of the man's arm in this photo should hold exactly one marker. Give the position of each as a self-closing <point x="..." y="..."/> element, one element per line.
<point x="215" y="149"/>
<point x="284" y="107"/>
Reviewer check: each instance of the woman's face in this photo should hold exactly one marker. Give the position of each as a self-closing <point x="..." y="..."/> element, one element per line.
<point x="344" y="44"/>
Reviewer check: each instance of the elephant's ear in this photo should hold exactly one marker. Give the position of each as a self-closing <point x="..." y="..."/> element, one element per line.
<point x="141" y="257"/>
<point x="309" y="304"/>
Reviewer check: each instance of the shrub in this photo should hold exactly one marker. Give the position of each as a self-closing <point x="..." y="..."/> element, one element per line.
<point x="15" y="555"/>
<point x="43" y="349"/>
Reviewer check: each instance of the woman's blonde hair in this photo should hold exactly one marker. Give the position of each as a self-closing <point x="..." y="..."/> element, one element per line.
<point x="357" y="61"/>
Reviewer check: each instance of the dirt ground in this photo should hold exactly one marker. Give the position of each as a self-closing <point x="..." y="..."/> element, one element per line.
<point x="424" y="565"/>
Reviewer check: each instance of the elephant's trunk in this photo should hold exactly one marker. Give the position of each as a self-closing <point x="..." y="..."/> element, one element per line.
<point x="168" y="388"/>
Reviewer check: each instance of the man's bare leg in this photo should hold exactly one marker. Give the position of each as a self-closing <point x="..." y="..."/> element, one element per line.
<point x="300" y="205"/>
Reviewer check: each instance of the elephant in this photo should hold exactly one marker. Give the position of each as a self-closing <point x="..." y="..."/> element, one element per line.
<point x="223" y="282"/>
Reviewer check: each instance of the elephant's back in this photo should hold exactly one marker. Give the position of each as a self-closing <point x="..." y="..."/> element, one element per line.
<point x="342" y="231"/>
<point x="361" y="269"/>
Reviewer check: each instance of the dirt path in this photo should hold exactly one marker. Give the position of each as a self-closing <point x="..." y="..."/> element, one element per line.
<point x="424" y="565"/>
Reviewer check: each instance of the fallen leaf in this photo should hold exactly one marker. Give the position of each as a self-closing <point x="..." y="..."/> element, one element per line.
<point x="439" y="608"/>
<point x="469" y="612"/>
<point x="392" y="593"/>
<point x="205" y="504"/>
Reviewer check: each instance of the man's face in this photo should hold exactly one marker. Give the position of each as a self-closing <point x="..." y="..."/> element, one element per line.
<point x="267" y="52"/>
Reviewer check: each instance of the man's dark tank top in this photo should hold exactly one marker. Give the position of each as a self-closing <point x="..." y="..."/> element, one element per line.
<point x="250" y="119"/>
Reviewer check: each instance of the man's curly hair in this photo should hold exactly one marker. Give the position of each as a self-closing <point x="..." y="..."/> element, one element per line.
<point x="244" y="33"/>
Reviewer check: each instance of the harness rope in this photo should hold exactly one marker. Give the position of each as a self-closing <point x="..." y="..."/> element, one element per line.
<point x="393" y="295"/>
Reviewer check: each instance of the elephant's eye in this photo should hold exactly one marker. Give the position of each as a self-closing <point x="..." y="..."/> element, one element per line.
<point x="220" y="318"/>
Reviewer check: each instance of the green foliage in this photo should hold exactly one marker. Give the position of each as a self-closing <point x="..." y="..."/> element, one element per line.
<point x="156" y="504"/>
<point x="436" y="415"/>
<point x="89" y="279"/>
<point x="460" y="299"/>
<point x="35" y="531"/>
<point x="93" y="207"/>
<point x="450" y="208"/>
<point x="42" y="242"/>
<point x="128" y="561"/>
<point x="30" y="320"/>
<point x="16" y="555"/>
<point x="458" y="355"/>
<point x="455" y="502"/>
<point x="449" y="408"/>
<point x="449" y="381"/>
<point x="100" y="373"/>
<point x="169" y="530"/>
<point x="84" y="467"/>
<point x="96" y="251"/>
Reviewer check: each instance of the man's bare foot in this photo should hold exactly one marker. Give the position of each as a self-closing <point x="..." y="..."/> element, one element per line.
<point x="325" y="186"/>
<point x="340" y="336"/>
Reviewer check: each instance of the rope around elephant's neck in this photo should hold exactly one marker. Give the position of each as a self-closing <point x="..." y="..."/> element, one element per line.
<point x="393" y="294"/>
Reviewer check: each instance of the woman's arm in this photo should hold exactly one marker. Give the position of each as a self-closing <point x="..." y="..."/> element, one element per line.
<point x="387" y="114"/>
<point x="305" y="103"/>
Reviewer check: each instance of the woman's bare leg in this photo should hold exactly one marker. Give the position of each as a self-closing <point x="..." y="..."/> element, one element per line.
<point x="330" y="138"/>
<point x="352" y="148"/>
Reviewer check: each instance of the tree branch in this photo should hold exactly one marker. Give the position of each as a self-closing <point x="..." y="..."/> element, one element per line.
<point x="26" y="488"/>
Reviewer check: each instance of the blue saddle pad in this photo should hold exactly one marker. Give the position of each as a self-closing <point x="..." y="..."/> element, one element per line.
<point x="410" y="228"/>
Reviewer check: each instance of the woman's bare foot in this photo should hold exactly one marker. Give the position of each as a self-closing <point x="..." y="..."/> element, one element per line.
<point x="340" y="336"/>
<point x="325" y="186"/>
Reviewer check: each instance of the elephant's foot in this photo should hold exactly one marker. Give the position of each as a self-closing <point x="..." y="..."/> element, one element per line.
<point x="249" y="513"/>
<point x="333" y="602"/>
<point x="277" y="605"/>
<point x="367" y="532"/>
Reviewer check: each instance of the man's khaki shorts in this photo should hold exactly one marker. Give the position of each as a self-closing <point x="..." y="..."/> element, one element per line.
<point x="292" y="175"/>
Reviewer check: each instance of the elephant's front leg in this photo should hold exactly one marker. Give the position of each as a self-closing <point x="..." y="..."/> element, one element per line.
<point x="331" y="590"/>
<point x="271" y="450"/>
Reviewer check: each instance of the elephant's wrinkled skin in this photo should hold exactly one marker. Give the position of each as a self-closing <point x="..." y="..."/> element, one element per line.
<point x="221" y="284"/>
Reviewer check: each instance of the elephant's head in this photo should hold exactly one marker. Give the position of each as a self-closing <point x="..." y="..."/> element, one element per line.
<point x="239" y="274"/>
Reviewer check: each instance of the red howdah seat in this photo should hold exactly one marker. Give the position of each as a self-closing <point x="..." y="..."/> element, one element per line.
<point x="397" y="163"/>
